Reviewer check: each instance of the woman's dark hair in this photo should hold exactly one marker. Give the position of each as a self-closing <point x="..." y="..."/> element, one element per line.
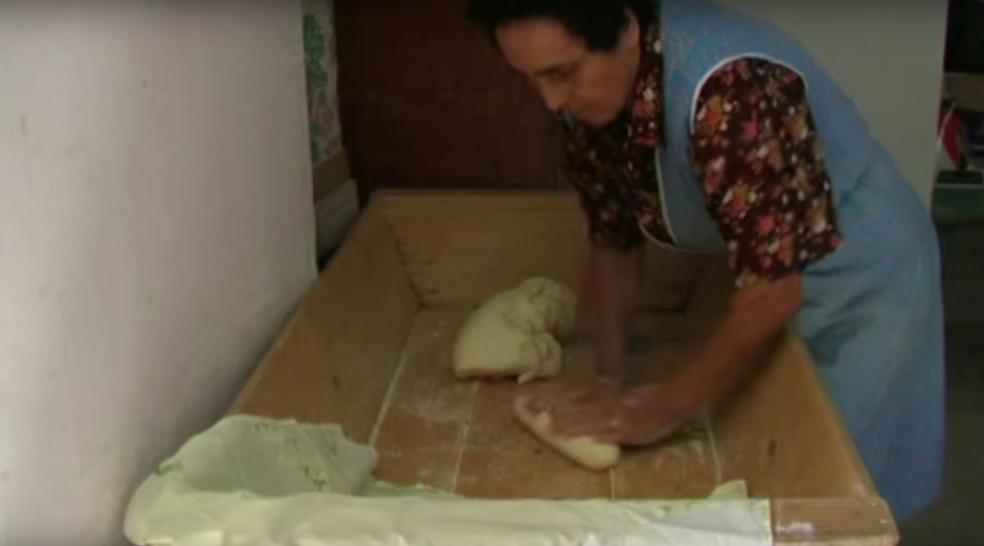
<point x="598" y="23"/>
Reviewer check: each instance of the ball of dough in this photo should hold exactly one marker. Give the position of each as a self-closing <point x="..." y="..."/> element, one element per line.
<point x="583" y="450"/>
<point x="515" y="332"/>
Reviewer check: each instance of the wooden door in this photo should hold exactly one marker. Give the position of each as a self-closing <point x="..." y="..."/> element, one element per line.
<point x="426" y="101"/>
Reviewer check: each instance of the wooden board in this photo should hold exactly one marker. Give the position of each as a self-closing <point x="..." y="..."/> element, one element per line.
<point x="850" y="521"/>
<point x="784" y="436"/>
<point x="685" y="466"/>
<point x="461" y="436"/>
<point x="502" y="460"/>
<point x="461" y="247"/>
<point x="336" y="357"/>
<point x="425" y="420"/>
<point x="331" y="174"/>
<point x="409" y="273"/>
<point x="781" y="433"/>
<point x="460" y="251"/>
<point x="334" y="216"/>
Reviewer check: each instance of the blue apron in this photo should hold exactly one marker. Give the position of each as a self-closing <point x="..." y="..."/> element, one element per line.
<point x="872" y="316"/>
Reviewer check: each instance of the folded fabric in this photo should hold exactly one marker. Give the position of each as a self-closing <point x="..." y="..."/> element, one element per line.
<point x="250" y="481"/>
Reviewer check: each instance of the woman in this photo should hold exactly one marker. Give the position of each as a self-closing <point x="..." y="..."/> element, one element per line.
<point x="695" y="126"/>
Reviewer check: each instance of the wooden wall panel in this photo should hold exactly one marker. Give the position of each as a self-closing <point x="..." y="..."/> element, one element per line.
<point x="426" y="101"/>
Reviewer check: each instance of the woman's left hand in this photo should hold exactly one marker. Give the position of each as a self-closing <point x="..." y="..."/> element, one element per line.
<point x="636" y="416"/>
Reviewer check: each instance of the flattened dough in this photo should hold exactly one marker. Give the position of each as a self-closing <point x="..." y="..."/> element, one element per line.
<point x="583" y="450"/>
<point x="515" y="332"/>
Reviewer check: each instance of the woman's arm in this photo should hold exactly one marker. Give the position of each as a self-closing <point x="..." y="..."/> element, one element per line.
<point x="609" y="287"/>
<point x="756" y="320"/>
<point x="643" y="415"/>
<point x="755" y="150"/>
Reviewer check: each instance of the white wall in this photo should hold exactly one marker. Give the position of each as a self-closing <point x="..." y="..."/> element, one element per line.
<point x="155" y="230"/>
<point x="888" y="55"/>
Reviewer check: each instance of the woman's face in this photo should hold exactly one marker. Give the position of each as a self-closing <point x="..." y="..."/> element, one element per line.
<point x="592" y="86"/>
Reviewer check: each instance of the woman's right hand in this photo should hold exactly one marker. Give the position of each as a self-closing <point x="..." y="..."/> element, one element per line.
<point x="557" y="392"/>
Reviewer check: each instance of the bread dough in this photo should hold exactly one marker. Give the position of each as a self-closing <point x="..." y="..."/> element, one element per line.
<point x="583" y="450"/>
<point x="515" y="332"/>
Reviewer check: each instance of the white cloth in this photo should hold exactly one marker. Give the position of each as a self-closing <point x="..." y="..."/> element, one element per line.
<point x="253" y="481"/>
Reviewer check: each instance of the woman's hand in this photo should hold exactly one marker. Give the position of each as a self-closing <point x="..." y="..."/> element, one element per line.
<point x="602" y="410"/>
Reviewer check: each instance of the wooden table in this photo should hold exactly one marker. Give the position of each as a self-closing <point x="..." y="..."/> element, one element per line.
<point x="369" y="348"/>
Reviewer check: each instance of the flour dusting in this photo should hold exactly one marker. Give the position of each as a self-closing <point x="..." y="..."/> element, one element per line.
<point x="796" y="528"/>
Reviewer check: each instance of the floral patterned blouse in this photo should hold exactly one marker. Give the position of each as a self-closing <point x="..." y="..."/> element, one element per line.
<point x="754" y="148"/>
